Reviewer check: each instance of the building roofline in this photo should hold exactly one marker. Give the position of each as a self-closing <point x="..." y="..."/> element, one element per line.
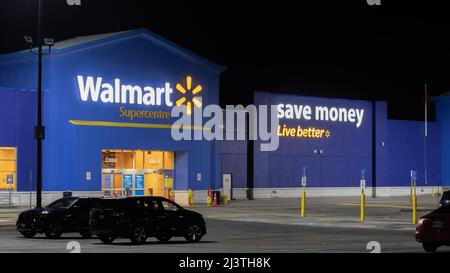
<point x="79" y="43"/>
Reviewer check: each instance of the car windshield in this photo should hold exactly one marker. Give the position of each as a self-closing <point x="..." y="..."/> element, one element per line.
<point x="62" y="203"/>
<point x="446" y="196"/>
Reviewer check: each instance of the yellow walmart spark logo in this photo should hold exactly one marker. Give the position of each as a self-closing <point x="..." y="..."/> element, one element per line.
<point x="185" y="89"/>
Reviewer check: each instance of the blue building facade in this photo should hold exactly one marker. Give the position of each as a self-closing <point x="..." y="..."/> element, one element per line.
<point x="17" y="120"/>
<point x="107" y="104"/>
<point x="338" y="141"/>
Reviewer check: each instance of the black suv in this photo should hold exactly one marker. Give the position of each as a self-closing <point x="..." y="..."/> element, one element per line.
<point x="138" y="218"/>
<point x="69" y="214"/>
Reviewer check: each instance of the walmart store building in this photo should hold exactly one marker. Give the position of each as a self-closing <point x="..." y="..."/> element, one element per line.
<point x="107" y="104"/>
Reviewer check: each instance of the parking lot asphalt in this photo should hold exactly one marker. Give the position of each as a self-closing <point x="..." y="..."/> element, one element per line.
<point x="230" y="237"/>
<point x="272" y="225"/>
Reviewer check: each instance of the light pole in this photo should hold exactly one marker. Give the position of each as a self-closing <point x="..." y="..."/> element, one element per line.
<point x="39" y="130"/>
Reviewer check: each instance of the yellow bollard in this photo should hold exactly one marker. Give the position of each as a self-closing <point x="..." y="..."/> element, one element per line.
<point x="414" y="210"/>
<point x="225" y="200"/>
<point x="411" y="193"/>
<point x="303" y="205"/>
<point x="363" y="206"/>
<point x="191" y="197"/>
<point x="432" y="192"/>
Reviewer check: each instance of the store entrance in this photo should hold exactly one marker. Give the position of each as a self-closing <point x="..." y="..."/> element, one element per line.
<point x="138" y="173"/>
<point x="8" y="166"/>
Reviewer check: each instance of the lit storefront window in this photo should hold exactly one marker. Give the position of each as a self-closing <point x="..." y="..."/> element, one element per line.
<point x="154" y="160"/>
<point x="8" y="163"/>
<point x="137" y="172"/>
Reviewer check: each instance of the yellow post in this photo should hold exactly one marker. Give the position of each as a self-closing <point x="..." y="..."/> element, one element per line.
<point x="442" y="191"/>
<point x="225" y="200"/>
<point x="191" y="197"/>
<point x="432" y="192"/>
<point x="415" y="188"/>
<point x="303" y="205"/>
<point x="363" y="206"/>
<point x="411" y="193"/>
<point x="414" y="210"/>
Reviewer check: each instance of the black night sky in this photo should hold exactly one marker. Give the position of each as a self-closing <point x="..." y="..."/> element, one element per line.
<point x="344" y="49"/>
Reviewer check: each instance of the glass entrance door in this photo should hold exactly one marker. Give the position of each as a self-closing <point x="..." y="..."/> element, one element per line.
<point x="154" y="184"/>
<point x="112" y="184"/>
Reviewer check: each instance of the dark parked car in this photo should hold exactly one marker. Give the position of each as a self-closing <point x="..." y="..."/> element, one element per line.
<point x="64" y="215"/>
<point x="445" y="200"/>
<point x="433" y="230"/>
<point x="138" y="218"/>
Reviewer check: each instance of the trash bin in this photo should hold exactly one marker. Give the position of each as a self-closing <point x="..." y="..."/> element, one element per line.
<point x="217" y="194"/>
<point x="67" y="194"/>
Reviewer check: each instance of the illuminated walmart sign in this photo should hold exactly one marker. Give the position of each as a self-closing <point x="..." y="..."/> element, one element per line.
<point x="96" y="90"/>
<point x="321" y="113"/>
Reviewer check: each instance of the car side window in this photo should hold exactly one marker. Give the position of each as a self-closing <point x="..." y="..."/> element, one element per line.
<point x="150" y="204"/>
<point x="135" y="204"/>
<point x="83" y="204"/>
<point x="144" y="204"/>
<point x="169" y="206"/>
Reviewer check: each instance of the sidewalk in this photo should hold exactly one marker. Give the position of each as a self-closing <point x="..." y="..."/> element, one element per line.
<point x="8" y="215"/>
<point x="393" y="213"/>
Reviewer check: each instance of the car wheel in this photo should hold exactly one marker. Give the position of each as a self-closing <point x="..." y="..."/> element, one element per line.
<point x="28" y="234"/>
<point x="138" y="234"/>
<point x="86" y="234"/>
<point x="53" y="230"/>
<point x="107" y="238"/>
<point x="163" y="237"/>
<point x="193" y="234"/>
<point x="430" y="247"/>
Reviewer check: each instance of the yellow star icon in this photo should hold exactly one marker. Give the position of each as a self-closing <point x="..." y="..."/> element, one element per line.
<point x="184" y="89"/>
